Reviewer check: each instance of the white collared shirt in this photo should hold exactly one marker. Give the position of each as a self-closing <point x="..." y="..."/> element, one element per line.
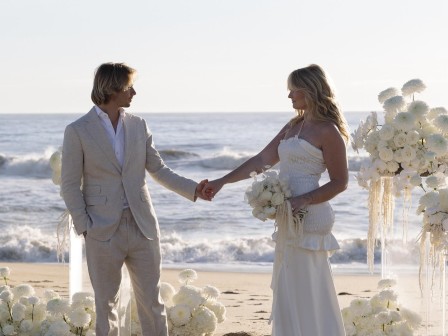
<point x="116" y="139"/>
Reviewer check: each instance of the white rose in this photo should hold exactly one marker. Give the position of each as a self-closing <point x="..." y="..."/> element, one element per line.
<point x="437" y="144"/>
<point x="393" y="104"/>
<point x="392" y="166"/>
<point x="433" y="182"/>
<point x="400" y="139"/>
<point x="398" y="156"/>
<point x="415" y="180"/>
<point x="277" y="199"/>
<point x="265" y="196"/>
<point x="436" y="111"/>
<point x="388" y="93"/>
<point x="408" y="153"/>
<point x="418" y="109"/>
<point x="430" y="199"/>
<point x="404" y="121"/>
<point x="412" y="137"/>
<point x="380" y="166"/>
<point x="386" y="154"/>
<point x="411" y="165"/>
<point x="269" y="211"/>
<point x="387" y="132"/>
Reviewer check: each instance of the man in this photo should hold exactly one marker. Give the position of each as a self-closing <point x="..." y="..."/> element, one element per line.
<point x="105" y="156"/>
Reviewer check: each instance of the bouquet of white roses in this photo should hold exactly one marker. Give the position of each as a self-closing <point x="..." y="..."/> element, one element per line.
<point x="381" y="315"/>
<point x="266" y="194"/>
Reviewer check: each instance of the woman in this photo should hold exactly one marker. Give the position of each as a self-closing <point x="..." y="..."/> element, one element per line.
<point x="304" y="297"/>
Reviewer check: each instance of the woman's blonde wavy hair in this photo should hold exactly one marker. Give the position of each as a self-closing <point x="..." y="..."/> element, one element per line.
<point x="110" y="78"/>
<point x="319" y="97"/>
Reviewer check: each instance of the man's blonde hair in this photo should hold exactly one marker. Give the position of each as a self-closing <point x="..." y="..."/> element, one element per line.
<point x="110" y="78"/>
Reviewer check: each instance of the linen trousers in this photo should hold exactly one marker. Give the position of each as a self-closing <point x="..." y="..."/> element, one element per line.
<point x="143" y="260"/>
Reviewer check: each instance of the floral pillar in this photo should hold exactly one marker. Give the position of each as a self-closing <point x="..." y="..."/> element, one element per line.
<point x="408" y="149"/>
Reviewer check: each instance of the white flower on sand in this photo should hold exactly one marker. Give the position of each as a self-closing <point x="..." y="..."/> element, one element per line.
<point x="180" y="314"/>
<point x="360" y="307"/>
<point x="404" y="121"/>
<point x="388" y="93"/>
<point x="167" y="291"/>
<point x="26" y="326"/>
<point x="50" y="294"/>
<point x="218" y="308"/>
<point x="386" y="283"/>
<point x="388" y="295"/>
<point x="58" y="306"/>
<point x="58" y="328"/>
<point x="204" y="320"/>
<point x="189" y="295"/>
<point x="79" y="317"/>
<point x="211" y="292"/>
<point x="33" y="300"/>
<point x="441" y="122"/>
<point x="7" y="296"/>
<point x="437" y="144"/>
<point x="187" y="275"/>
<point x="18" y="311"/>
<point x="413" y="86"/>
<point x="394" y="104"/>
<point x="23" y="290"/>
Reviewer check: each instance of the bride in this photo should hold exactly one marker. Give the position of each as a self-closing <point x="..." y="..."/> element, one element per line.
<point x="304" y="297"/>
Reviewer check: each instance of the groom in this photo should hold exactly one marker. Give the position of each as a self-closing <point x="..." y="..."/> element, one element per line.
<point x="105" y="156"/>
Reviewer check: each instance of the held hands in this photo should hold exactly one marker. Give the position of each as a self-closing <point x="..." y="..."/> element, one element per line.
<point x="200" y="191"/>
<point x="212" y="188"/>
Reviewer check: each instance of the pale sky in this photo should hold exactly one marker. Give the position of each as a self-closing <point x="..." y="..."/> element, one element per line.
<point x="218" y="55"/>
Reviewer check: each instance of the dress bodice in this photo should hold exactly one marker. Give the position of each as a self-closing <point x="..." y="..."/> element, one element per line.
<point x="301" y="166"/>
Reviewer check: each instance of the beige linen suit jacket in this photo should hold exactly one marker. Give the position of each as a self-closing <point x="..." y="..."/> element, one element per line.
<point x="94" y="185"/>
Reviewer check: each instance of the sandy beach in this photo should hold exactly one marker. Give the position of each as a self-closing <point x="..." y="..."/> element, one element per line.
<point x="247" y="296"/>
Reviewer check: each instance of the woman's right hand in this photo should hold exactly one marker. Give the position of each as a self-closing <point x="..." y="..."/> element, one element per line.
<point x="212" y="188"/>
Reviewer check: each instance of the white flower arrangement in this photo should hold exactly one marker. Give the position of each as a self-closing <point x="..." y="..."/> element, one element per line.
<point x="411" y="143"/>
<point x="192" y="311"/>
<point x="266" y="194"/>
<point x="22" y="313"/>
<point x="381" y="315"/>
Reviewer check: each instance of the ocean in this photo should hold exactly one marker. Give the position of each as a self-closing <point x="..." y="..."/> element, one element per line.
<point x="218" y="235"/>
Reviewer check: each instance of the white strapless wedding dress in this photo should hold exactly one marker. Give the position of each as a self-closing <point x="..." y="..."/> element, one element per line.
<point x="305" y="301"/>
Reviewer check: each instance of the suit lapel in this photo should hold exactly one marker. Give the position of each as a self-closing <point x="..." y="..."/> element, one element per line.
<point x="99" y="136"/>
<point x="129" y="137"/>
